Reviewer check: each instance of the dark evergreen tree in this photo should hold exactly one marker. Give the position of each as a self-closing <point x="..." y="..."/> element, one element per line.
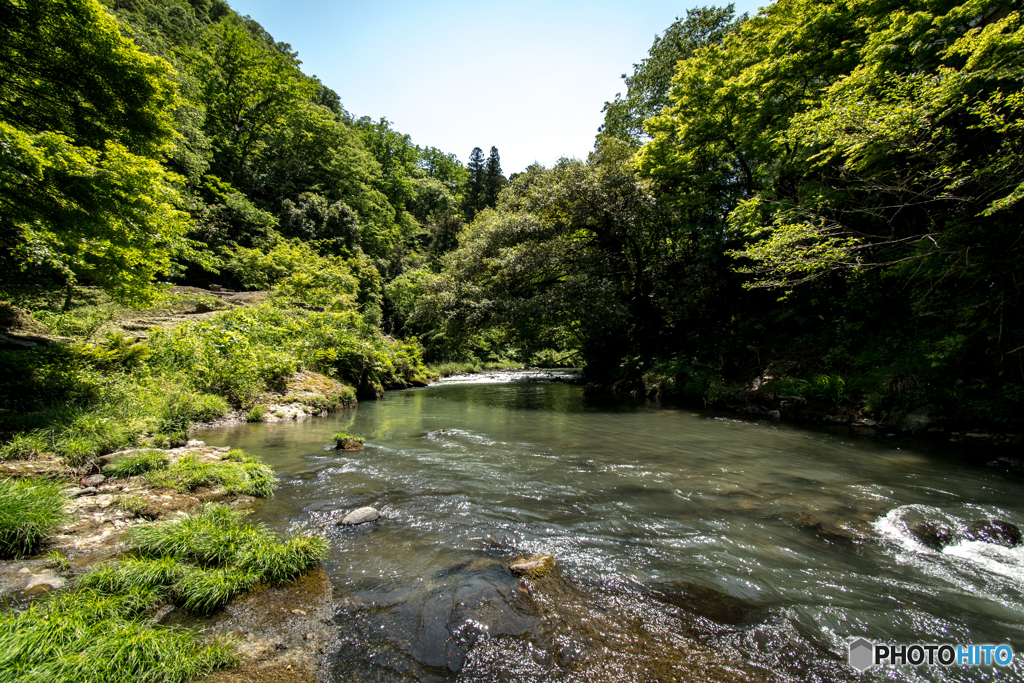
<point x="493" y="178"/>
<point x="476" y="187"/>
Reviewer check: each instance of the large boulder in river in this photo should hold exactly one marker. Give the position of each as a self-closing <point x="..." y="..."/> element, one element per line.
<point x="995" y="531"/>
<point x="360" y="516"/>
<point x="935" y="535"/>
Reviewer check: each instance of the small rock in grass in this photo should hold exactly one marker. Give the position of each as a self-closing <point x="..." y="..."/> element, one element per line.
<point x="88" y="491"/>
<point x="72" y="492"/>
<point x="94" y="480"/>
<point x="533" y="567"/>
<point x="360" y="516"/>
<point x="299" y="612"/>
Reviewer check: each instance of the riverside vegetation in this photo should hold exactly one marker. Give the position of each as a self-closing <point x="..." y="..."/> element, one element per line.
<point x="815" y="210"/>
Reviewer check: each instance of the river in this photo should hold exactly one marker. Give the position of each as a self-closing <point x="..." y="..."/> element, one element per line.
<point x="689" y="546"/>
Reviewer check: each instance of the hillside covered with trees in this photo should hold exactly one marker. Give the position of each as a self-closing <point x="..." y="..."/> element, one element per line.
<point x="819" y="203"/>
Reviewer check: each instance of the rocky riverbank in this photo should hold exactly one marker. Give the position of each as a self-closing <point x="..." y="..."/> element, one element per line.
<point x="103" y="509"/>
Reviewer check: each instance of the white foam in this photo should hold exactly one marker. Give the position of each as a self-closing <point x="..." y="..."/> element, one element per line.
<point x="1008" y="562"/>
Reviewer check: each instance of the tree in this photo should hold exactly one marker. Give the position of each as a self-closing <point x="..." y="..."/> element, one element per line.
<point x="87" y="118"/>
<point x="647" y="90"/>
<point x="248" y="87"/>
<point x="564" y="261"/>
<point x="494" y="180"/>
<point x="476" y="184"/>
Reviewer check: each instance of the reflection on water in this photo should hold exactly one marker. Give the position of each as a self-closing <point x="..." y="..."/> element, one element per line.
<point x="689" y="547"/>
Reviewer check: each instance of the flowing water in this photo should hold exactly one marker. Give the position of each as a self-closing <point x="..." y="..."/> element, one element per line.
<point x="688" y="546"/>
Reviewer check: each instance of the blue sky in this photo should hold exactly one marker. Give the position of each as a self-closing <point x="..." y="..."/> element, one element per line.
<point x="528" y="77"/>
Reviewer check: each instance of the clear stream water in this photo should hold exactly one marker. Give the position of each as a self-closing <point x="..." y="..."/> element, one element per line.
<point x="689" y="547"/>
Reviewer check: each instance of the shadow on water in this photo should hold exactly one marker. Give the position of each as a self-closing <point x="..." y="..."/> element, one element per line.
<point x="689" y="547"/>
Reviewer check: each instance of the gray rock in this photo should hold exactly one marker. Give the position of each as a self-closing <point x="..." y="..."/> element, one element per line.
<point x="72" y="492"/>
<point x="360" y="516"/>
<point x="998" y="531"/>
<point x="89" y="491"/>
<point x="52" y="580"/>
<point x="94" y="480"/>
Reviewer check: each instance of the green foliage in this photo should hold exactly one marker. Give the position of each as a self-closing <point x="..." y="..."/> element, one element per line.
<point x="256" y="413"/>
<point x="247" y="475"/>
<point x="298" y="271"/>
<point x="204" y="560"/>
<point x="134" y="505"/>
<point x="29" y="511"/>
<point x="184" y="407"/>
<point x="102" y="638"/>
<point x="108" y="216"/>
<point x="67" y="67"/>
<point x="23" y="446"/>
<point x="84" y="118"/>
<point x="134" y="464"/>
<point x="647" y="90"/>
<point x="58" y="560"/>
<point x="344" y="440"/>
<point x="565" y="262"/>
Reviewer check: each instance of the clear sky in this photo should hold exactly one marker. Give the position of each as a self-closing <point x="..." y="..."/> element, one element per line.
<point x="528" y="77"/>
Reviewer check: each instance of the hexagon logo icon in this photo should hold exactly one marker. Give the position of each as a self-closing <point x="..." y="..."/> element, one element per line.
<point x="862" y="654"/>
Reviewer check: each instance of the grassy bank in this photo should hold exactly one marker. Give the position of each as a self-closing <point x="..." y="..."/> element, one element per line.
<point x="80" y="397"/>
<point x="102" y="631"/>
<point x="102" y="628"/>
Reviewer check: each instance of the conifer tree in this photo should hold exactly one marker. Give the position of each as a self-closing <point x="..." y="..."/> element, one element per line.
<point x="493" y="178"/>
<point x="476" y="188"/>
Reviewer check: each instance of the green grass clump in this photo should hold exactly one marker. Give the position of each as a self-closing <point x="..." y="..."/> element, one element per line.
<point x="184" y="408"/>
<point x="138" y="463"/>
<point x="346" y="441"/>
<point x="58" y="560"/>
<point x="237" y="474"/>
<point x="256" y="414"/>
<point x="134" y="505"/>
<point x="23" y="446"/>
<point x="91" y="637"/>
<point x="29" y="511"/>
<point x="204" y="560"/>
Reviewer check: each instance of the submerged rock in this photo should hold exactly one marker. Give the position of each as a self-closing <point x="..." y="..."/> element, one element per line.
<point x="533" y="567"/>
<point x="997" y="531"/>
<point x="434" y="433"/>
<point x="360" y="516"/>
<point x="710" y="603"/>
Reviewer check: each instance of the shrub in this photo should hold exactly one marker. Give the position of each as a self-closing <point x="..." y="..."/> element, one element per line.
<point x="29" y="511"/>
<point x="256" y="414"/>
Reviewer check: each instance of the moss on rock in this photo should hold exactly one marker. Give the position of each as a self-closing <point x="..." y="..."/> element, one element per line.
<point x="532" y="567"/>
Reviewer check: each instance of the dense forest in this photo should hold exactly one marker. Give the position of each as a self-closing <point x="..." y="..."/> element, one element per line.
<point x="815" y="210"/>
